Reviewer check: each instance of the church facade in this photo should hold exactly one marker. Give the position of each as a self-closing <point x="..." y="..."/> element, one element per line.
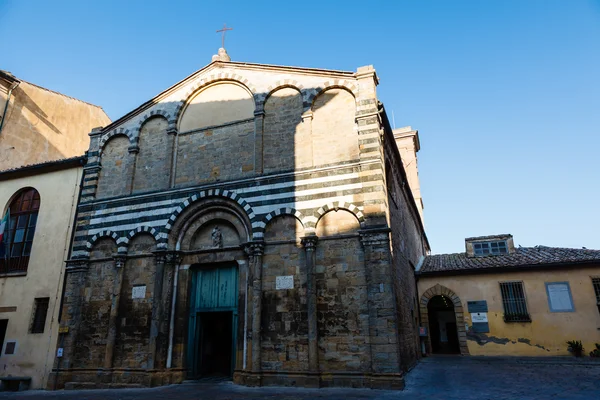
<point x="252" y="221"/>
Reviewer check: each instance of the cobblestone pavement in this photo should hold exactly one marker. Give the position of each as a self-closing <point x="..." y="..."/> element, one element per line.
<point x="445" y="378"/>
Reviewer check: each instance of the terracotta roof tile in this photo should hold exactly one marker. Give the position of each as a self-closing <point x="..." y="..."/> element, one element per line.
<point x="522" y="257"/>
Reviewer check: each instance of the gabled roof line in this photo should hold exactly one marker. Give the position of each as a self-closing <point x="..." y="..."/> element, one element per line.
<point x="218" y="64"/>
<point x="62" y="94"/>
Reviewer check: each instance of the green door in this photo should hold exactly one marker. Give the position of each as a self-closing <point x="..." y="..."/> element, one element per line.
<point x="213" y="321"/>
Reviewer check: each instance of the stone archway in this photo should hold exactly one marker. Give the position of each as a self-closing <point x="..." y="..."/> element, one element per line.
<point x="439" y="290"/>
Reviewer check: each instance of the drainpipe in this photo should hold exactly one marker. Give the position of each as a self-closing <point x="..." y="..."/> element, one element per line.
<point x="13" y="87"/>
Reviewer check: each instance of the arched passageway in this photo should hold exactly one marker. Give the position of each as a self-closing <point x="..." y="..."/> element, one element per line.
<point x="442" y="325"/>
<point x="439" y="305"/>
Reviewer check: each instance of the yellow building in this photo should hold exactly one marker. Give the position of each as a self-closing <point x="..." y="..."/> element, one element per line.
<point x="42" y="137"/>
<point x="498" y="300"/>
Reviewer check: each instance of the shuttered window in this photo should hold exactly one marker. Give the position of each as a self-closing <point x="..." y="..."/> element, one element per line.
<point x="596" y="283"/>
<point x="39" y="315"/>
<point x="513" y="300"/>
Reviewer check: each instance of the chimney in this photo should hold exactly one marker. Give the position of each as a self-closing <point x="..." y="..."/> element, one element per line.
<point x="407" y="141"/>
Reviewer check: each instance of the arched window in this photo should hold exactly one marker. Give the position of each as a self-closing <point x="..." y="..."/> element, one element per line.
<point x="16" y="246"/>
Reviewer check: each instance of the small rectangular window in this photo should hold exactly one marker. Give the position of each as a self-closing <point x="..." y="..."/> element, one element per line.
<point x="39" y="315"/>
<point x="559" y="297"/>
<point x="487" y="248"/>
<point x="596" y="283"/>
<point x="513" y="300"/>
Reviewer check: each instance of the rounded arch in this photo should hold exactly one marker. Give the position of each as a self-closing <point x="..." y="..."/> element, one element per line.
<point x="225" y="199"/>
<point x="439" y="290"/>
<point x="115" y="132"/>
<point x="218" y="103"/>
<point x="336" y="84"/>
<point x="142" y="229"/>
<point x="259" y="228"/>
<point x="311" y="222"/>
<point x="287" y="83"/>
<point x="103" y="234"/>
<point x="18" y="193"/>
<point x="208" y="81"/>
<point x="152" y="114"/>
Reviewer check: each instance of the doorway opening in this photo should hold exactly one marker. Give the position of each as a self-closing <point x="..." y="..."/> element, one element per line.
<point x="3" y="326"/>
<point x="442" y="326"/>
<point x="214" y="347"/>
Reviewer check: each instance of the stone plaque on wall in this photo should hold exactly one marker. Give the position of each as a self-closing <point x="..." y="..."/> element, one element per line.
<point x="479" y="319"/>
<point x="138" y="292"/>
<point x="284" y="282"/>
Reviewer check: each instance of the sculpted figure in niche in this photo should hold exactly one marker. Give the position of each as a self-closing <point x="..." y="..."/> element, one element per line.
<point x="217" y="237"/>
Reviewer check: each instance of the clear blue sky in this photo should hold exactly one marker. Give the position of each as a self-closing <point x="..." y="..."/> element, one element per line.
<point x="505" y="94"/>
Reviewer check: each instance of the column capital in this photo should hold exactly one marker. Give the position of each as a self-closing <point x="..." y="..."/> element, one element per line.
<point x="77" y="265"/>
<point x="254" y="248"/>
<point x="160" y="256"/>
<point x="172" y="257"/>
<point x="376" y="236"/>
<point x="309" y="242"/>
<point x="119" y="260"/>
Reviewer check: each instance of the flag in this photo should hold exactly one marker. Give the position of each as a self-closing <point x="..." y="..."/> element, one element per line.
<point x="4" y="225"/>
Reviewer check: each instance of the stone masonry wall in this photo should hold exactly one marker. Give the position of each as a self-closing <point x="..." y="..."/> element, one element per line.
<point x="215" y="154"/>
<point x="284" y="132"/>
<point x="153" y="162"/>
<point x="407" y="248"/>
<point x="133" y="328"/>
<point x="95" y="310"/>
<point x="115" y="174"/>
<point x="284" y="339"/>
<point x="342" y="311"/>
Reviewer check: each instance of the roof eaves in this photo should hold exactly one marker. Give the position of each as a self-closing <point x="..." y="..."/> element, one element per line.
<point x="41" y="168"/>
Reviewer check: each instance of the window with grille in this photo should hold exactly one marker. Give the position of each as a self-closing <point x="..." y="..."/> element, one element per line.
<point x="513" y="300"/>
<point x="487" y="248"/>
<point x="39" y="315"/>
<point x="596" y="283"/>
<point x="16" y="249"/>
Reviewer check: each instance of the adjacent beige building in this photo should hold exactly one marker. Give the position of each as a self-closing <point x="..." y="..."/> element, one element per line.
<point x="496" y="299"/>
<point x="39" y="125"/>
<point x="40" y="181"/>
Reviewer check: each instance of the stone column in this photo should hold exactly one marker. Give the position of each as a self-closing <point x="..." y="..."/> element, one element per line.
<point x="76" y="271"/>
<point x="310" y="244"/>
<point x="259" y="126"/>
<point x="172" y="132"/>
<point x="134" y="150"/>
<point x="383" y="332"/>
<point x="157" y="305"/>
<point x="172" y="261"/>
<point x="256" y="251"/>
<point x="114" y="310"/>
<point x="307" y="118"/>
